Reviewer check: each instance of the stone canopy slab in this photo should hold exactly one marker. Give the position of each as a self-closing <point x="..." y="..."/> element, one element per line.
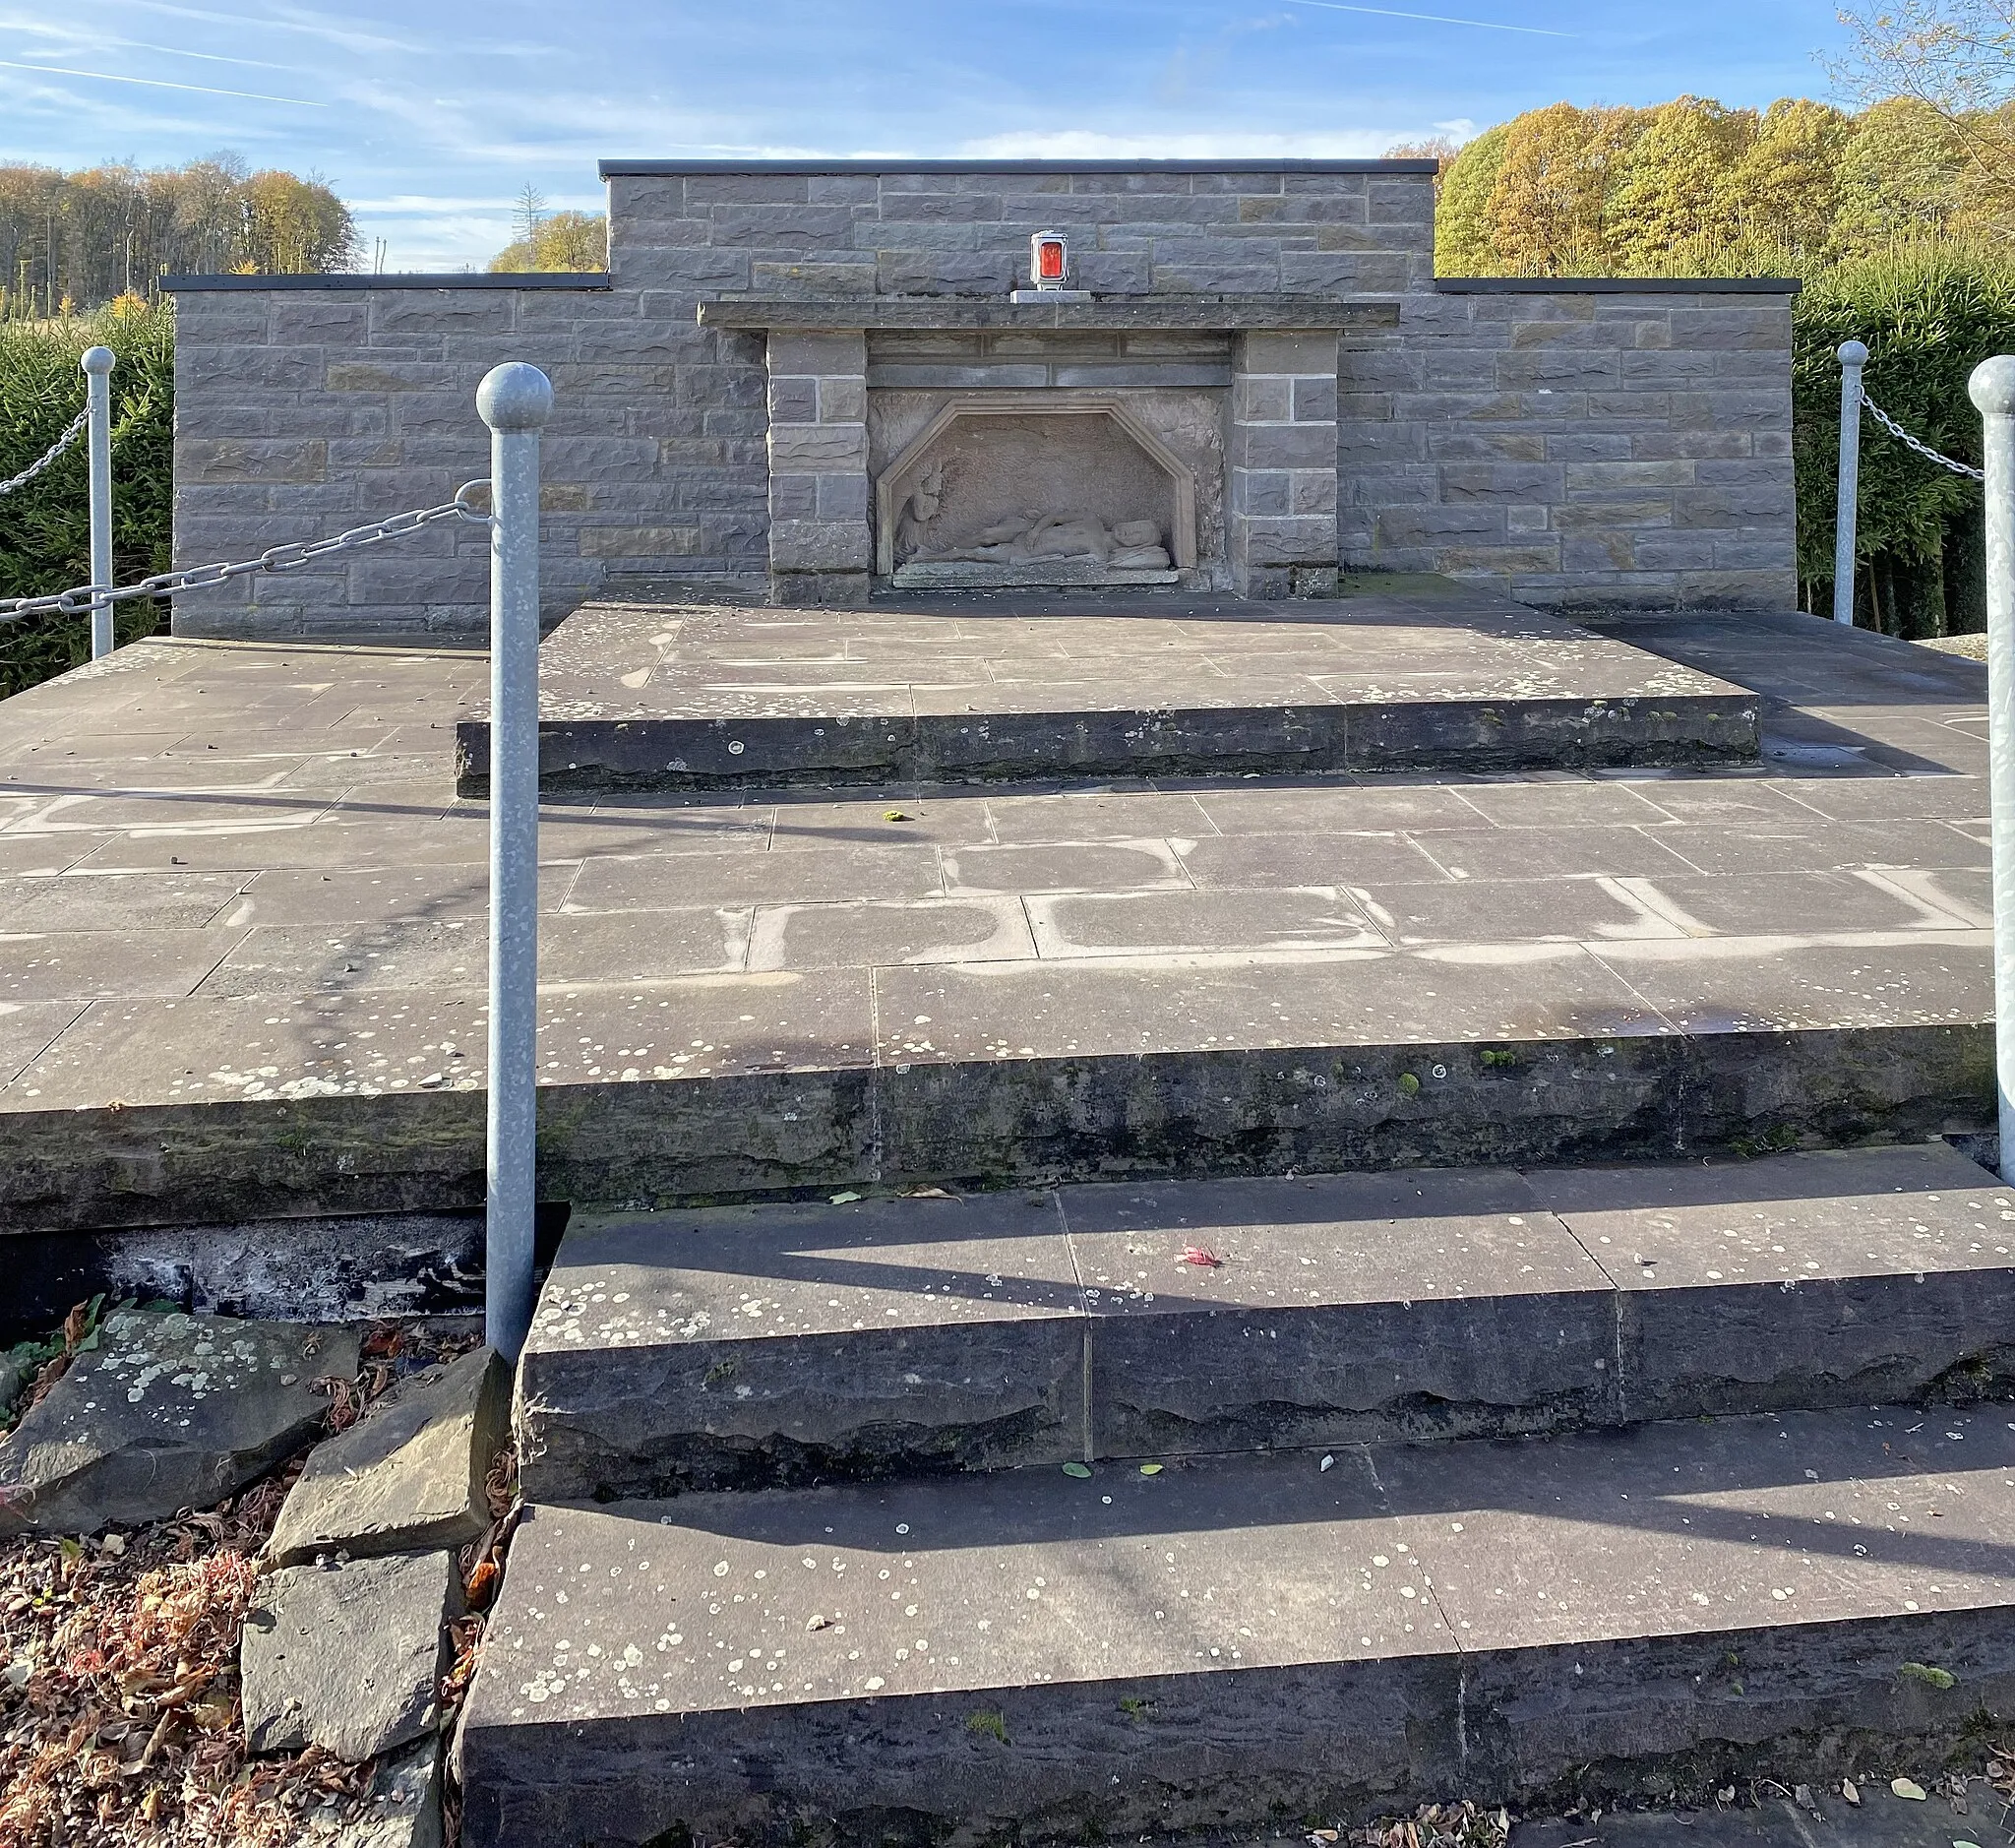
<point x="1236" y="313"/>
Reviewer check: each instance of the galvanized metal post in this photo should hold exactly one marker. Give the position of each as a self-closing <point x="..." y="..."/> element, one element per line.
<point x="97" y="363"/>
<point x="515" y="401"/>
<point x="1993" y="389"/>
<point x="1852" y="357"/>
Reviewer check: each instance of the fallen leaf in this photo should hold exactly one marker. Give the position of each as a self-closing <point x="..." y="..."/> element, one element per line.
<point x="1802" y="1797"/>
<point x="1078" y="1470"/>
<point x="1150" y="1470"/>
<point x="1904" y="1786"/>
<point x="1850" y="1790"/>
<point x="844" y="1199"/>
<point x="1923" y="1672"/>
<point x="929" y="1192"/>
<point x="893" y="814"/>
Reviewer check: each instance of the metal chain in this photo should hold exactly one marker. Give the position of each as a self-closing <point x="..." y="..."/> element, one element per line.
<point x="278" y="559"/>
<point x="1909" y="442"/>
<point x="48" y="456"/>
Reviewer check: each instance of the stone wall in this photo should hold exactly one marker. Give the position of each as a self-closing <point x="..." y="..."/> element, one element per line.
<point x="1610" y="444"/>
<point x="1578" y="447"/>
<point x="302" y="410"/>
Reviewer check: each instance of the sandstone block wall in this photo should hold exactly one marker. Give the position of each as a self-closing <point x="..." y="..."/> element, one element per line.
<point x="1611" y="445"/>
<point x="1577" y="446"/>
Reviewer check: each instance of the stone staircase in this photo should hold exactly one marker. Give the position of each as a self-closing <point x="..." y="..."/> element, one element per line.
<point x="1223" y="1504"/>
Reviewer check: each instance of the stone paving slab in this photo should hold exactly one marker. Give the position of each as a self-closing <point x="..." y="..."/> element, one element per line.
<point x="1684" y="982"/>
<point x="1153" y="1652"/>
<point x="962" y="689"/>
<point x="778" y="1344"/>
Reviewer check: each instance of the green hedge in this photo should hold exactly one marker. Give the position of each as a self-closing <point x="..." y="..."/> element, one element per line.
<point x="1927" y="317"/>
<point x="45" y="527"/>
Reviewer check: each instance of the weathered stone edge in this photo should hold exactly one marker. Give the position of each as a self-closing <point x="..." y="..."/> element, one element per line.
<point x="1239" y="1111"/>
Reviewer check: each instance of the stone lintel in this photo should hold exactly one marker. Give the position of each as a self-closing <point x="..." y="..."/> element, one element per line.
<point x="1217" y="312"/>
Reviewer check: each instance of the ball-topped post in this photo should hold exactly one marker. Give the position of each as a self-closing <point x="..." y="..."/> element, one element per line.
<point x="1992" y="391"/>
<point x="96" y="365"/>
<point x="515" y="401"/>
<point x="1852" y="357"/>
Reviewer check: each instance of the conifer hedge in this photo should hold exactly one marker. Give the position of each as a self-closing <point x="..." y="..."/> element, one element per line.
<point x="45" y="527"/>
<point x="1927" y="316"/>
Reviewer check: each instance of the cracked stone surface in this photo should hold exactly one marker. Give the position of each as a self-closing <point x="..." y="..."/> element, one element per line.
<point x="348" y="1656"/>
<point x="168" y="1412"/>
<point x="409" y="1474"/>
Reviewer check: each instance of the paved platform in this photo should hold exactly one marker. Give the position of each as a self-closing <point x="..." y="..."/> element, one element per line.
<point x="243" y="907"/>
<point x="661" y="692"/>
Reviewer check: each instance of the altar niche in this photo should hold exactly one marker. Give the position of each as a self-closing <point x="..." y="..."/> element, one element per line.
<point x="1004" y="488"/>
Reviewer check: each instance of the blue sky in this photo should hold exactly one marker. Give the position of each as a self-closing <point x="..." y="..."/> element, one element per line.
<point x="431" y="119"/>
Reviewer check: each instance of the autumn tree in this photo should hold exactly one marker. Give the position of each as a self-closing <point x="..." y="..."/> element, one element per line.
<point x="1902" y="175"/>
<point x="1956" y="57"/>
<point x="1784" y="190"/>
<point x="1549" y="207"/>
<point x="576" y="241"/>
<point x="1462" y="217"/>
<point x="1692" y="188"/>
<point x="87" y="237"/>
<point x="1670" y="185"/>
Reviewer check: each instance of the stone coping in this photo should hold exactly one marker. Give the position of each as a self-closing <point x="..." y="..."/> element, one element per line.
<point x="634" y="169"/>
<point x="1113" y="313"/>
<point x="1617" y="286"/>
<point x="415" y="278"/>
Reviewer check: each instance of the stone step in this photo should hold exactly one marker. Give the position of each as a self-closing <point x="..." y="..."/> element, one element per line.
<point x="744" y="1346"/>
<point x="684" y="696"/>
<point x="1235" y="1640"/>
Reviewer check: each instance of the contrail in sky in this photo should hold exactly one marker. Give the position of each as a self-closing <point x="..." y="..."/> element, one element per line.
<point x="155" y="82"/>
<point x="1434" y="18"/>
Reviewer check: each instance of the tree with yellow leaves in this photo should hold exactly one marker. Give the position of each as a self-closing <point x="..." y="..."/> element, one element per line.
<point x="1548" y="211"/>
<point x="576" y="241"/>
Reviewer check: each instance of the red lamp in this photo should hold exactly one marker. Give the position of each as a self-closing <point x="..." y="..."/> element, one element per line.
<point x="1049" y="260"/>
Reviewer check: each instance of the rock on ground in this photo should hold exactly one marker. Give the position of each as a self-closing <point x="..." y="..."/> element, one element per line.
<point x="347" y="1656"/>
<point x="409" y="1475"/>
<point x="401" y="1810"/>
<point x="169" y="1412"/>
<point x="12" y="1377"/>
